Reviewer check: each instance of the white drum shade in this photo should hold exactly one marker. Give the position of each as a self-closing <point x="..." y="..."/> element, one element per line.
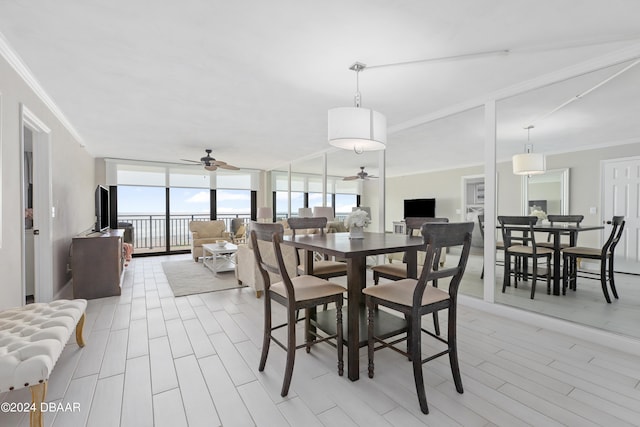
<point x="323" y="211"/>
<point x="305" y="212"/>
<point x="529" y="164"/>
<point x="359" y="129"/>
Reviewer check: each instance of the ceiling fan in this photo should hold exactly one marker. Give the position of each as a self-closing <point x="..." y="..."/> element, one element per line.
<point x="212" y="164"/>
<point x="360" y="175"/>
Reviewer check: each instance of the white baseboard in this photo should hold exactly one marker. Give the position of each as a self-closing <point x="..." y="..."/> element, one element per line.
<point x="586" y="333"/>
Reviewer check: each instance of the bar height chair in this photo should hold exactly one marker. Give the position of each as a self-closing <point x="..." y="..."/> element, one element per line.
<point x="415" y="298"/>
<point x="520" y="243"/>
<point x="295" y="293"/>
<point x="605" y="255"/>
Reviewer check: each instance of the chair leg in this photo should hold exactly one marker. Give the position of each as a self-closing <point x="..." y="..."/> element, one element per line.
<point x="291" y="351"/>
<point x="453" y="348"/>
<point x="38" y="394"/>
<point x="482" y="274"/>
<point x="376" y="278"/>
<point x="370" y="343"/>
<point x="534" y="279"/>
<point x="549" y="275"/>
<point x="565" y="273"/>
<point x="416" y="360"/>
<point x="436" y="323"/>
<point x="603" y="280"/>
<point x="507" y="272"/>
<point x="266" y="339"/>
<point x="612" y="281"/>
<point x="339" y="343"/>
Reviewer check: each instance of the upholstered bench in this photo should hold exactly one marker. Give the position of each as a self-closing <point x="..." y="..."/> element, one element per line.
<point x="31" y="340"/>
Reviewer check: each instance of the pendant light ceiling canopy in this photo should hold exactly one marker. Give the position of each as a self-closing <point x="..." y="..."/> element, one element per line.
<point x="356" y="128"/>
<point x="529" y="163"/>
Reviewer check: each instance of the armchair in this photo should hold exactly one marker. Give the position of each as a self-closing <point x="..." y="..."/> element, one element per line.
<point x="204" y="232"/>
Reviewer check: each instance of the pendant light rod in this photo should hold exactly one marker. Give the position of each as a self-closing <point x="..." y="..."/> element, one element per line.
<point x="443" y="58"/>
<point x="586" y="92"/>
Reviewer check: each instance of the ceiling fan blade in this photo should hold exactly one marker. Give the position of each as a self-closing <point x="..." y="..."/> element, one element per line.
<point x="229" y="167"/>
<point x="372" y="176"/>
<point x="350" y="178"/>
<point x="191" y="161"/>
<point x="218" y="162"/>
<point x="211" y="168"/>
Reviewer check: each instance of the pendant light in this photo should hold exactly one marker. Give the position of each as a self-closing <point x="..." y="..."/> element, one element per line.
<point x="356" y="128"/>
<point x="529" y="163"/>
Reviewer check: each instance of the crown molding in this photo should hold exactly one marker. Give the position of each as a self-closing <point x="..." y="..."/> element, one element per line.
<point x="27" y="76"/>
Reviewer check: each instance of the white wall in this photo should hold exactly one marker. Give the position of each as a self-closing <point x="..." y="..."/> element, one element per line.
<point x="446" y="187"/>
<point x="72" y="192"/>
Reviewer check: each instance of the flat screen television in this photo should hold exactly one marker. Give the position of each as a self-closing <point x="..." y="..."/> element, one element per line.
<point x="419" y="208"/>
<point x="102" y="208"/>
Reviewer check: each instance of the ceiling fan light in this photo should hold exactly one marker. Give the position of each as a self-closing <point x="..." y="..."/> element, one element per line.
<point x="358" y="129"/>
<point x="529" y="164"/>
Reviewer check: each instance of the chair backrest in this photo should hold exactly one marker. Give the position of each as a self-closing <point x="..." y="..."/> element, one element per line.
<point x="305" y="223"/>
<point x="518" y="230"/>
<point x="617" y="223"/>
<point x="566" y="219"/>
<point x="481" y="224"/>
<point x="414" y="223"/>
<point x="207" y="228"/>
<point x="437" y="237"/>
<point x="263" y="235"/>
<point x="236" y="223"/>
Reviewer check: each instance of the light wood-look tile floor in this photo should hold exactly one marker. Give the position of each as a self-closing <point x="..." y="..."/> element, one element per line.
<point x="155" y="360"/>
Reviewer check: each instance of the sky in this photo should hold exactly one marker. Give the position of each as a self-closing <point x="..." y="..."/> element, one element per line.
<point x="139" y="200"/>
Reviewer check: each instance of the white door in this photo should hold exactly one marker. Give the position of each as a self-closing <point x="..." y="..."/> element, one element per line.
<point x="42" y="210"/>
<point x="621" y="194"/>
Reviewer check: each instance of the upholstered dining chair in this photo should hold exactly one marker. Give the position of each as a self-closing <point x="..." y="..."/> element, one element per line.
<point x="562" y="219"/>
<point x="398" y="271"/>
<point x="605" y="255"/>
<point x="324" y="269"/>
<point x="415" y="298"/>
<point x="520" y="243"/>
<point x="295" y="293"/>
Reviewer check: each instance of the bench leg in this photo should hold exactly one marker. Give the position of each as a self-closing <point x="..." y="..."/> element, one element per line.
<point x="38" y="394"/>
<point x="79" y="327"/>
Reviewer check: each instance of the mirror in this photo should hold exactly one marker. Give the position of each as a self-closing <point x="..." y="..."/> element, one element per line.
<point x="546" y="194"/>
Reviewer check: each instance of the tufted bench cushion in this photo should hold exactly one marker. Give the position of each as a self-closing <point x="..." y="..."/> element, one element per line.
<point x="31" y="340"/>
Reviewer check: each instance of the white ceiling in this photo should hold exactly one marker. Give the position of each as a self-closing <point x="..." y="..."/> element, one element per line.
<point x="161" y="80"/>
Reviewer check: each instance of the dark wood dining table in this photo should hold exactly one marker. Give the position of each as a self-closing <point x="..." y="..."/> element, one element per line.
<point x="355" y="251"/>
<point x="556" y="231"/>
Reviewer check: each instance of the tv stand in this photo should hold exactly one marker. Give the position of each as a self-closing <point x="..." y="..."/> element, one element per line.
<point x="97" y="264"/>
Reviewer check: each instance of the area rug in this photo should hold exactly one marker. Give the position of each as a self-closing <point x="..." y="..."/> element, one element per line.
<point x="188" y="278"/>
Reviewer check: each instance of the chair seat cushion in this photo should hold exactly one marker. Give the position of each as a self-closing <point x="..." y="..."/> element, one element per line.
<point x="499" y="244"/>
<point x="528" y="250"/>
<point x="308" y="287"/>
<point x="583" y="251"/>
<point x="401" y="292"/>
<point x="32" y="338"/>
<point x="395" y="270"/>
<point x="326" y="267"/>
<point x="550" y="245"/>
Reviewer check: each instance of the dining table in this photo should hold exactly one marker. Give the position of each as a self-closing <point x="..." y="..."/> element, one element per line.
<point x="355" y="252"/>
<point x="556" y="231"/>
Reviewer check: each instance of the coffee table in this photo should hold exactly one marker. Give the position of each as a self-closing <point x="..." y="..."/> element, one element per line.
<point x="219" y="258"/>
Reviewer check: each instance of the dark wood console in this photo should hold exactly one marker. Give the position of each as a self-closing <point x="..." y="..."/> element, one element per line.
<point x="97" y="264"/>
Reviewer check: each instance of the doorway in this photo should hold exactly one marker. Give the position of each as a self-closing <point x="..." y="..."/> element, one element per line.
<point x="37" y="257"/>
<point x="621" y="196"/>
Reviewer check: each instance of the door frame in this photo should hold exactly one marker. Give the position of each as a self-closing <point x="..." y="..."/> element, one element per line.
<point x="42" y="199"/>
<point x="604" y="207"/>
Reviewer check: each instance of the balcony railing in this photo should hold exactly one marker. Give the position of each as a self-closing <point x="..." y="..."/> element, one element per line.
<point x="149" y="231"/>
